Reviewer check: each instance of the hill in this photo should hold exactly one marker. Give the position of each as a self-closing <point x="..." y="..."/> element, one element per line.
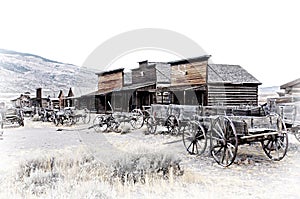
<point x="24" y="72"/>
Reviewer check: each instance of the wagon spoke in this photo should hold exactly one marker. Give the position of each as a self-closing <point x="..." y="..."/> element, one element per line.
<point x="189" y="146"/>
<point x="268" y="143"/>
<point x="219" y="134"/>
<point x="223" y="156"/>
<point x="227" y="156"/>
<point x="225" y="128"/>
<point x="281" y="144"/>
<point x="220" y="148"/>
<point x="217" y="139"/>
<point x="200" y="136"/>
<point x="272" y="145"/>
<point x="196" y="147"/>
<point x="277" y="150"/>
<point x="193" y="147"/>
<point x="230" y="151"/>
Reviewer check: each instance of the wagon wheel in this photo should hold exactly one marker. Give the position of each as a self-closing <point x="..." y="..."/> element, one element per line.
<point x="275" y="146"/>
<point x="114" y="126"/>
<point x="86" y="117"/>
<point x="56" y="121"/>
<point x="21" y="122"/>
<point x="151" y="125"/>
<point x="68" y="121"/>
<point x="194" y="138"/>
<point x="99" y="124"/>
<point x="224" y="141"/>
<point x="137" y="119"/>
<point x="172" y="124"/>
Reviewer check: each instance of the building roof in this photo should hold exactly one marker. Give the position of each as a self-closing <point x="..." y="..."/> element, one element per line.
<point x="136" y="86"/>
<point x="61" y="94"/>
<point x="290" y="84"/>
<point x="110" y="71"/>
<point x="70" y="93"/>
<point x="190" y="60"/>
<point x="234" y="74"/>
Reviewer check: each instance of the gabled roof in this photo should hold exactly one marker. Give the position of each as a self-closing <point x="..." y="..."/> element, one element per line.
<point x="234" y="74"/>
<point x="290" y="84"/>
<point x="61" y="94"/>
<point x="70" y="94"/>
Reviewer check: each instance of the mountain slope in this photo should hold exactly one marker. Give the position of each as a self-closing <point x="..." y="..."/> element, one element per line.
<point x="23" y="72"/>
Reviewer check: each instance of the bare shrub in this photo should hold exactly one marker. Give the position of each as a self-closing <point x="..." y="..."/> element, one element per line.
<point x="43" y="175"/>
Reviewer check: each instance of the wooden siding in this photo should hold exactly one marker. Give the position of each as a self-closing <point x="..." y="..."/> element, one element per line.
<point x="232" y="95"/>
<point x="189" y="74"/>
<point x="144" y="74"/>
<point x="109" y="82"/>
<point x="293" y="90"/>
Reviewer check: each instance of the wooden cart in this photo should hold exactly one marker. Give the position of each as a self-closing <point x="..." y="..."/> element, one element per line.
<point x="226" y="133"/>
<point x="290" y="113"/>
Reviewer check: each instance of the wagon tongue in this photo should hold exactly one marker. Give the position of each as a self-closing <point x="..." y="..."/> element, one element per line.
<point x="172" y="142"/>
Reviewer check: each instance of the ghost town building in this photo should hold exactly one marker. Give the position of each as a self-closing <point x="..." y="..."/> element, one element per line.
<point x="188" y="82"/>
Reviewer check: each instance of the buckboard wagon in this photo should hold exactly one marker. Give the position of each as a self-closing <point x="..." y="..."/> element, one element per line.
<point x="224" y="132"/>
<point x="227" y="133"/>
<point x="13" y="116"/>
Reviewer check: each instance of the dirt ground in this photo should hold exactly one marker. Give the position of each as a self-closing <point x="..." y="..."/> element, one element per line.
<point x="252" y="175"/>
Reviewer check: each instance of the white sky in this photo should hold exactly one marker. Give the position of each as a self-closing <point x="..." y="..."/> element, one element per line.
<point x="262" y="36"/>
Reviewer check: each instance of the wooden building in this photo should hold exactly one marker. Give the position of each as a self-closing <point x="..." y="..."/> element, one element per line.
<point x="192" y="81"/>
<point x="108" y="81"/>
<point x="24" y="100"/>
<point x="189" y="81"/>
<point x="231" y="85"/>
<point x="195" y="81"/>
<point x="291" y="88"/>
<point x="141" y="86"/>
<point x="70" y="99"/>
<point x="44" y="98"/>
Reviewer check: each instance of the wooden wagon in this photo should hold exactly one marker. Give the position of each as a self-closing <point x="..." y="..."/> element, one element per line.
<point x="175" y="118"/>
<point x="13" y="116"/>
<point x="290" y="113"/>
<point x="226" y="133"/>
<point x="112" y="120"/>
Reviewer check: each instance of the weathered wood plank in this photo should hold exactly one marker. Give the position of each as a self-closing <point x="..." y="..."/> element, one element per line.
<point x="189" y="74"/>
<point x="109" y="82"/>
<point x="144" y="74"/>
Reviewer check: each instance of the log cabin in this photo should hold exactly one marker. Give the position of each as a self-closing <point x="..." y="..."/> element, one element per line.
<point x="231" y="85"/>
<point x="196" y="81"/>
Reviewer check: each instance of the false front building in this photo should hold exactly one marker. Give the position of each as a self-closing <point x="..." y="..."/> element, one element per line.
<point x="192" y="81"/>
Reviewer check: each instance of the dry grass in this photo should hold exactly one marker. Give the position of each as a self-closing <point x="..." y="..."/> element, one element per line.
<point x="80" y="175"/>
